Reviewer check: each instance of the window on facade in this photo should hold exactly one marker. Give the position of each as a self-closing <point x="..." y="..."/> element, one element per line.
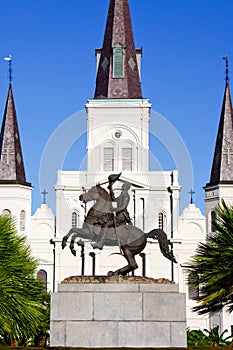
<point x="74" y="219"/>
<point x="118" y="62"/>
<point x="6" y="212"/>
<point x="127" y="163"/>
<point x="193" y="292"/>
<point x="142" y="210"/>
<point x="162" y="221"/>
<point x="108" y="159"/>
<point x="42" y="275"/>
<point x="22" y="220"/>
<point x="213" y="219"/>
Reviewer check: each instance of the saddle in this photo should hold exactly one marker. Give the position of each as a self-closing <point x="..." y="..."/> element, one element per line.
<point x="121" y="219"/>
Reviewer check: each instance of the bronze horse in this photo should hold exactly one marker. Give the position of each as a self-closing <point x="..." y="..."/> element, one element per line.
<point x="131" y="239"/>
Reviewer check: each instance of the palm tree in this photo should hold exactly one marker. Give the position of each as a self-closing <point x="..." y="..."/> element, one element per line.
<point x="211" y="268"/>
<point x="20" y="308"/>
<point x="42" y="333"/>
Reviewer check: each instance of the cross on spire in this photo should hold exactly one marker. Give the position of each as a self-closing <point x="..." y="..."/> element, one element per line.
<point x="9" y="59"/>
<point x="191" y="192"/>
<point x="226" y="59"/>
<point x="44" y="193"/>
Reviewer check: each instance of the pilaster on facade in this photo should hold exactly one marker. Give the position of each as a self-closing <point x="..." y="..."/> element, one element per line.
<point x="174" y="192"/>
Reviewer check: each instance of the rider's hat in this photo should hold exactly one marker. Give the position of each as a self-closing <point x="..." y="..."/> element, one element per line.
<point x="113" y="177"/>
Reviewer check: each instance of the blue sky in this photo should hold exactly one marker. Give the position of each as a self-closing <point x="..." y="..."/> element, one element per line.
<point x="53" y="43"/>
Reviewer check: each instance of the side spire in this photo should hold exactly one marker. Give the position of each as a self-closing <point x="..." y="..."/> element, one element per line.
<point x="118" y="67"/>
<point x="222" y="168"/>
<point x="11" y="157"/>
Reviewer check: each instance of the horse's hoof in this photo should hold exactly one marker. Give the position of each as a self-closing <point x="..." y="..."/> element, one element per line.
<point x="81" y="243"/>
<point x="110" y="273"/>
<point x="73" y="252"/>
<point x="97" y="245"/>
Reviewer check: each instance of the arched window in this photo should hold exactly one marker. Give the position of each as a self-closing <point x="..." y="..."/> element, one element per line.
<point x="193" y="292"/>
<point x="162" y="221"/>
<point x="108" y="159"/>
<point x="22" y="220"/>
<point x="213" y="219"/>
<point x="118" y="62"/>
<point x="6" y="212"/>
<point x="74" y="219"/>
<point x="42" y="275"/>
<point x="127" y="163"/>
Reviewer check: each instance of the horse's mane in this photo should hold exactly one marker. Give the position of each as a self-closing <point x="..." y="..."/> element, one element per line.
<point x="103" y="193"/>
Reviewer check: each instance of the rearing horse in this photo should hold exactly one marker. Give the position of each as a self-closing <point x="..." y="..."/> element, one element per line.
<point x="131" y="239"/>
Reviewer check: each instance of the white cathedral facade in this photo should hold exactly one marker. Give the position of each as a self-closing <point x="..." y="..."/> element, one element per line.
<point x="118" y="122"/>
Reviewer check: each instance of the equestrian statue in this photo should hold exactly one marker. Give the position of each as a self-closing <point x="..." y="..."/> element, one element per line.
<point x="108" y="223"/>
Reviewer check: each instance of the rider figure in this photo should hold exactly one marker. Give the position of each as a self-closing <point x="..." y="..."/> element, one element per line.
<point x="121" y="211"/>
<point x="122" y="202"/>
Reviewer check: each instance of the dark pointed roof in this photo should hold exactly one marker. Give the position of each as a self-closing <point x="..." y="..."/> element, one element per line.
<point x="222" y="168"/>
<point x="11" y="161"/>
<point x="118" y="32"/>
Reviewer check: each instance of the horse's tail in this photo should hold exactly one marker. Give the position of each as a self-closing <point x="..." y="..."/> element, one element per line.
<point x="161" y="236"/>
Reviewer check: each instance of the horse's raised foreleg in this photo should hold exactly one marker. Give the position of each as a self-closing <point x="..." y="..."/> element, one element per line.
<point x="73" y="251"/>
<point x="132" y="265"/>
<point x="78" y="232"/>
<point x="65" y="238"/>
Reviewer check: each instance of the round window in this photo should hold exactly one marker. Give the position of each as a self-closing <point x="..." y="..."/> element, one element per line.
<point x="118" y="134"/>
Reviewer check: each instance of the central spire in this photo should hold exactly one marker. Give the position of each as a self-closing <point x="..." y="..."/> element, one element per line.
<point x="118" y="71"/>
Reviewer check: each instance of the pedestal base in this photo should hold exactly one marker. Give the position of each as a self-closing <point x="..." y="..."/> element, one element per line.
<point x="95" y="315"/>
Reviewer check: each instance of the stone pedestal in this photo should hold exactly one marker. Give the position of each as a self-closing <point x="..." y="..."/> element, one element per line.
<point x="109" y="315"/>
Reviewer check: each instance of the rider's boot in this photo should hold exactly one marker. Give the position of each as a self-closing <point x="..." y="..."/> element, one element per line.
<point x="127" y="218"/>
<point x="100" y="243"/>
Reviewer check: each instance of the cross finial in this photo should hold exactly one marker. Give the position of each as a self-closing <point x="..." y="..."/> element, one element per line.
<point x="44" y="193"/>
<point x="227" y="68"/>
<point x="191" y="194"/>
<point x="9" y="59"/>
